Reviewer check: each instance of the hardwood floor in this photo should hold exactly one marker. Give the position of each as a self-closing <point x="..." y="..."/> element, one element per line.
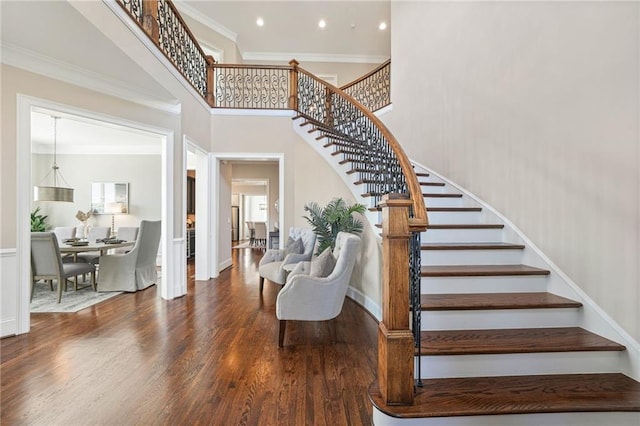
<point x="210" y="357"/>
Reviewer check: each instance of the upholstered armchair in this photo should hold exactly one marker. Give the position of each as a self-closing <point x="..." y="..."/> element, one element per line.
<point x="135" y="270"/>
<point x="311" y="296"/>
<point x="272" y="263"/>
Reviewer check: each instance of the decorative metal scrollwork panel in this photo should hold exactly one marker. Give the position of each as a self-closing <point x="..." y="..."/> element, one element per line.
<point x="134" y="7"/>
<point x="374" y="91"/>
<point x="177" y="44"/>
<point x="252" y="88"/>
<point x="415" y="293"/>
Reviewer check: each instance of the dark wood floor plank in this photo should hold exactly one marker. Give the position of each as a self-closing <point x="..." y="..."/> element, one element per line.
<point x="210" y="357"/>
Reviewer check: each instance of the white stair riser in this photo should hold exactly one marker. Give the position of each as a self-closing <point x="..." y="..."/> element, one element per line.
<point x="500" y="318"/>
<point x="461" y="235"/>
<point x="506" y="284"/>
<point x="442" y="366"/>
<point x="465" y="217"/>
<point x="471" y="257"/>
<point x="551" y="419"/>
<point x="442" y="201"/>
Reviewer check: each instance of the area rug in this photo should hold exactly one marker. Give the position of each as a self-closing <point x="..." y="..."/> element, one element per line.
<point x="248" y="246"/>
<point x="45" y="300"/>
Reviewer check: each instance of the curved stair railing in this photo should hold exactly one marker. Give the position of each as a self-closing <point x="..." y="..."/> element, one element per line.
<point x="345" y="118"/>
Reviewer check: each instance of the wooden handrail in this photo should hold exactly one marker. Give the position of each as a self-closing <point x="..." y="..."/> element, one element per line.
<point x="419" y="221"/>
<point x="366" y="76"/>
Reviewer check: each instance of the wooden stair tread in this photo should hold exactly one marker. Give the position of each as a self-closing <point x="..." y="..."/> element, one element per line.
<point x="471" y="246"/>
<point x="513" y="340"/>
<point x="482" y="301"/>
<point x="441" y="195"/>
<point x="431" y="183"/>
<point x="423" y="174"/>
<point x="466" y="226"/>
<point x="454" y="209"/>
<point x="476" y="396"/>
<point x="480" y="270"/>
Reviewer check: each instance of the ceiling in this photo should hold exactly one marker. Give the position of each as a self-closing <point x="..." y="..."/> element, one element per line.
<point x="291" y="27"/>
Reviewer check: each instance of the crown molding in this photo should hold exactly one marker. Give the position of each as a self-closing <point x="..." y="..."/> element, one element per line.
<point x="314" y="57"/>
<point x="31" y="61"/>
<point x="205" y="20"/>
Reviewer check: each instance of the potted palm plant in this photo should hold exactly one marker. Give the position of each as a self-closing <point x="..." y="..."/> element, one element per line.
<point x="336" y="216"/>
<point x="38" y="221"/>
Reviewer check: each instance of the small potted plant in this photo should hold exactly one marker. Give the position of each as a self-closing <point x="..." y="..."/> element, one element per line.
<point x="38" y="221"/>
<point x="335" y="217"/>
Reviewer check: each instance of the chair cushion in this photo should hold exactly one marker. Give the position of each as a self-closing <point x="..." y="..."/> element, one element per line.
<point x="323" y="265"/>
<point x="294" y="246"/>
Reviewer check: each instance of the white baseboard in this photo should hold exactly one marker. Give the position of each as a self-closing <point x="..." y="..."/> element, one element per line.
<point x="9" y="291"/>
<point x="225" y="264"/>
<point x="366" y="302"/>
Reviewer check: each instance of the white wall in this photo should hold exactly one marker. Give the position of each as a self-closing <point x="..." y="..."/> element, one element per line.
<point x="534" y="107"/>
<point x="142" y="173"/>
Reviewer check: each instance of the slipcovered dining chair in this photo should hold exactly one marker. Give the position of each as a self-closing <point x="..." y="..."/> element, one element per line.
<point x="252" y="231"/>
<point x="315" y="290"/>
<point x="135" y="270"/>
<point x="95" y="233"/>
<point x="46" y="263"/>
<point x="64" y="233"/>
<point x="126" y="233"/>
<point x="260" y="236"/>
<point x="273" y="262"/>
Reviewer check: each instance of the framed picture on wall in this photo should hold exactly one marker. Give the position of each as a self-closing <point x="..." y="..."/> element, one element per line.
<point x="110" y="198"/>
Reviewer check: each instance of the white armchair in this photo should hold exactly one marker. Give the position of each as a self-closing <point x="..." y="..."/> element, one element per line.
<point x="135" y="270"/>
<point x="272" y="263"/>
<point x="308" y="298"/>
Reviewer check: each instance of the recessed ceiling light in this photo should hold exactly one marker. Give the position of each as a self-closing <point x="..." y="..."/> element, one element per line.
<point x="322" y="23"/>
<point x="259" y="22"/>
<point x="382" y="26"/>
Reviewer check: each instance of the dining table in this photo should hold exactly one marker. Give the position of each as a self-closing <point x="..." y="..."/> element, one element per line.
<point x="73" y="248"/>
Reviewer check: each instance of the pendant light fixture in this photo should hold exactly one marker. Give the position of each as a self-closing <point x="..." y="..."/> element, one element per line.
<point x="55" y="192"/>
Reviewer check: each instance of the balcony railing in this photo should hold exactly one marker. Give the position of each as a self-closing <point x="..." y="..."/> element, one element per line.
<point x="372" y="90"/>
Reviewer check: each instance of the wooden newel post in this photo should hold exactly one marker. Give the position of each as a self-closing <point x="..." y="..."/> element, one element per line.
<point x="150" y="20"/>
<point x="210" y="96"/>
<point x="293" y="85"/>
<point x="395" y="340"/>
<point x="327" y="107"/>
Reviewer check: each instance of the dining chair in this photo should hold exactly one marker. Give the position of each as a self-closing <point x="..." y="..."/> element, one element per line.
<point x="126" y="233"/>
<point x="252" y="231"/>
<point x="135" y="270"/>
<point x="95" y="233"/>
<point x="260" y="237"/>
<point x="64" y="233"/>
<point x="46" y="263"/>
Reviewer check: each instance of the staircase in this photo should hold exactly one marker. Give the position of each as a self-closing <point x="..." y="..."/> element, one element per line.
<point x="496" y="347"/>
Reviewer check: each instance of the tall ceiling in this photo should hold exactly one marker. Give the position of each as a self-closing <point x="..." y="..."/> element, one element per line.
<point x="291" y="27"/>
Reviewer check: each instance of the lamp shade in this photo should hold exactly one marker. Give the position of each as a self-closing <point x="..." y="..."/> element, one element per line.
<point x="52" y="193"/>
<point x="114" y="208"/>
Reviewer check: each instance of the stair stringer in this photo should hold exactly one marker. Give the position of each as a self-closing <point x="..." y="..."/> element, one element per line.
<point x="371" y="218"/>
<point x="592" y="316"/>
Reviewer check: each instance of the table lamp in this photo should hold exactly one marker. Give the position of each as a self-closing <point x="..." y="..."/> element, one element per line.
<point x="113" y="209"/>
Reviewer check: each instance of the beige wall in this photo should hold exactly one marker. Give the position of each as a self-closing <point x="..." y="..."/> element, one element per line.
<point x="534" y="107"/>
<point x="16" y="81"/>
<point x="142" y="172"/>
<point x="206" y="35"/>
<point x="307" y="177"/>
